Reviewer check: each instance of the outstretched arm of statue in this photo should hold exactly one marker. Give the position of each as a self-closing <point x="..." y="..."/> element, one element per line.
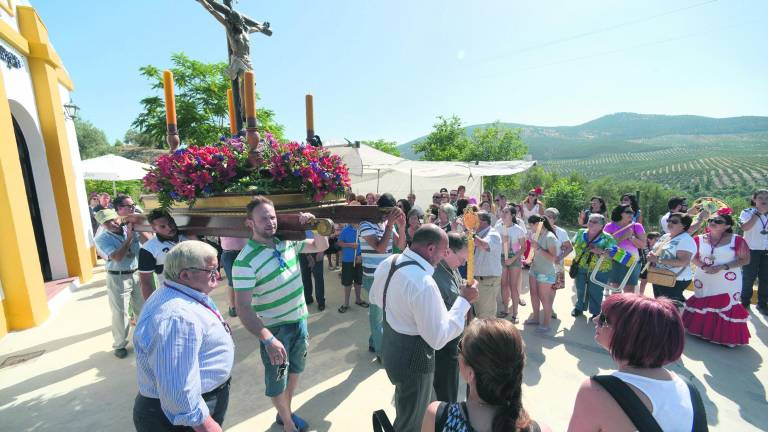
<point x="255" y="26"/>
<point x="210" y="7"/>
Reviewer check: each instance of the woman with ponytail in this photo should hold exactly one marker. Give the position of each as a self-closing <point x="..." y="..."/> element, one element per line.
<point x="491" y="360"/>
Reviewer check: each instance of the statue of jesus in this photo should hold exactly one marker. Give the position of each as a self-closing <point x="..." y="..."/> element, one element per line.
<point x="238" y="28"/>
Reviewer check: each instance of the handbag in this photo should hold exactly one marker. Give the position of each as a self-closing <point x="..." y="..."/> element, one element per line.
<point x="663" y="277"/>
<point x="573" y="271"/>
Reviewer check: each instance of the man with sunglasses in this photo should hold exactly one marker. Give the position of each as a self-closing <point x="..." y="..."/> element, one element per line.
<point x="269" y="298"/>
<point x="184" y="348"/>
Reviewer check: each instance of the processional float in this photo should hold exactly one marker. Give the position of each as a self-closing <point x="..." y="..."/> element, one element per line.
<point x="223" y="213"/>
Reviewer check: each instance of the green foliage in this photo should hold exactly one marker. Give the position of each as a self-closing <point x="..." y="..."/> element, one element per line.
<point x="91" y="140"/>
<point x="385" y="146"/>
<point x="566" y="196"/>
<point x="136" y="138"/>
<point x="201" y="104"/>
<point x="447" y="141"/>
<point x="134" y="188"/>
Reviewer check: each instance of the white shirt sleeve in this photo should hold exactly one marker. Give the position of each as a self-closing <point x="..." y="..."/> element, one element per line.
<point x="746" y="215"/>
<point x="436" y="325"/>
<point x="376" y="294"/>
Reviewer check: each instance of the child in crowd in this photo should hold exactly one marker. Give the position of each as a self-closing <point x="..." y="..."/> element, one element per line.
<point x="351" y="265"/>
<point x="651" y="239"/>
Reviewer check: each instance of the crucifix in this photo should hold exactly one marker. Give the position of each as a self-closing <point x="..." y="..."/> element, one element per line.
<point x="238" y="27"/>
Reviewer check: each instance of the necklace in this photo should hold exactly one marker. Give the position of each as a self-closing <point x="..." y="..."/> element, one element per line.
<point x="454" y="274"/>
<point x="764" y="223"/>
<point x="710" y="260"/>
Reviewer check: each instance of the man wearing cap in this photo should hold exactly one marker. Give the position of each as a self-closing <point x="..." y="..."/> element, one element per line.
<point x="119" y="246"/>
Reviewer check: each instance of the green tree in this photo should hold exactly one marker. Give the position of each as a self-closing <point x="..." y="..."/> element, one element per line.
<point x="201" y="103"/>
<point x="134" y="137"/>
<point x="385" y="146"/>
<point x="496" y="143"/>
<point x="568" y="197"/>
<point x="91" y="140"/>
<point x="447" y="141"/>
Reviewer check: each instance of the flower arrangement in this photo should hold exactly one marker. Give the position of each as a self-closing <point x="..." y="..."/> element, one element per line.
<point x="195" y="172"/>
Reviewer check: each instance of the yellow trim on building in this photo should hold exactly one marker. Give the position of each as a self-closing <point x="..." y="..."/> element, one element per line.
<point x="16" y="40"/>
<point x="43" y="66"/>
<point x="25" y="302"/>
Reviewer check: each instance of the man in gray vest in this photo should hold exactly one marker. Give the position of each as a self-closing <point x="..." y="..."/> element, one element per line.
<point x="416" y="321"/>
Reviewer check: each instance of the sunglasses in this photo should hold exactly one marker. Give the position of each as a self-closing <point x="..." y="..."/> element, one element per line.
<point x="602" y="321"/>
<point x="280" y="261"/>
<point x="531" y="194"/>
<point x="716" y="221"/>
<point x="629" y="212"/>
<point x="128" y="206"/>
<point x="673" y="222"/>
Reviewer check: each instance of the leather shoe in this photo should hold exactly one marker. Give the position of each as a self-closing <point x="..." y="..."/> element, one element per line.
<point x="321" y="307"/>
<point x="121" y="353"/>
<point x="576" y="313"/>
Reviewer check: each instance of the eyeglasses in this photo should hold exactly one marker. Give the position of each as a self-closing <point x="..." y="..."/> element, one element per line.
<point x="593" y="222"/>
<point x="602" y="320"/>
<point x="673" y="221"/>
<point x="212" y="273"/>
<point x="716" y="221"/>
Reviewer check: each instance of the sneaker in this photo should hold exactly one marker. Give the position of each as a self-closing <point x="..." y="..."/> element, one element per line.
<point x="121" y="353"/>
<point x="232" y="312"/>
<point x="299" y="422"/>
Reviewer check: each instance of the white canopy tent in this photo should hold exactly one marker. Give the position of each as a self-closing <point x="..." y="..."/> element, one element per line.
<point x="375" y="171"/>
<point x="114" y="168"/>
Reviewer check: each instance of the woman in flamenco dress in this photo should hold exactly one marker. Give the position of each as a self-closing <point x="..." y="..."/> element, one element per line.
<point x="715" y="312"/>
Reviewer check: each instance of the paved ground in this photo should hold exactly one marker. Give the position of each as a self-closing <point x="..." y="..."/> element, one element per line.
<point x="78" y="385"/>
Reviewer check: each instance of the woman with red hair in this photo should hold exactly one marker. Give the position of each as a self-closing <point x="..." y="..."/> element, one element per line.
<point x="715" y="312"/>
<point x="642" y="335"/>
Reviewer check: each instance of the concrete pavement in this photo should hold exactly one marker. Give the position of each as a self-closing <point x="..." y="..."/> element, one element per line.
<point x="78" y="385"/>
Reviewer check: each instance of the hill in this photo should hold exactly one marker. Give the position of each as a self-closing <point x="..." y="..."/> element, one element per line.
<point x="693" y="153"/>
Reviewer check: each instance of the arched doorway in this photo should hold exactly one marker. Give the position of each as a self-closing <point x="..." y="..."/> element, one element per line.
<point x="34" y="207"/>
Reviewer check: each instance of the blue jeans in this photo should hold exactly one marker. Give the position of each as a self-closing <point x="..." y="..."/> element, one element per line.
<point x="589" y="296"/>
<point x="756" y="269"/>
<point x="375" y="317"/>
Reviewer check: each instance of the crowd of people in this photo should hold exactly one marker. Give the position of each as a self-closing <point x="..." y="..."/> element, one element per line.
<point x="428" y="324"/>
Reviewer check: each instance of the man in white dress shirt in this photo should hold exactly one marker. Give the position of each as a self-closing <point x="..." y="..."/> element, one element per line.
<point x="416" y="321"/>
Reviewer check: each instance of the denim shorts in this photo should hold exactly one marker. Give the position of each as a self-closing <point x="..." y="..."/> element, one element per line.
<point x="295" y="339"/>
<point x="227" y="259"/>
<point x="618" y="271"/>
<point x="545" y="277"/>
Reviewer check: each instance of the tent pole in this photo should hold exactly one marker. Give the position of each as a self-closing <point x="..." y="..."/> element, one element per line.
<point x="114" y="189"/>
<point x="411" y="181"/>
<point x="378" y="174"/>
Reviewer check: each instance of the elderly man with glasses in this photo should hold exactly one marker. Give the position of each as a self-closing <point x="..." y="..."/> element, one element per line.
<point x="119" y="246"/>
<point x="184" y="348"/>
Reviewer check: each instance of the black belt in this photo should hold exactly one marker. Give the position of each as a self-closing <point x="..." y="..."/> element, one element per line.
<point x="484" y="277"/>
<point x="121" y="272"/>
<point x="217" y="389"/>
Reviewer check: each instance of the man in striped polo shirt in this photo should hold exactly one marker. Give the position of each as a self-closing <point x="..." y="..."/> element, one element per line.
<point x="269" y="298"/>
<point x="376" y="246"/>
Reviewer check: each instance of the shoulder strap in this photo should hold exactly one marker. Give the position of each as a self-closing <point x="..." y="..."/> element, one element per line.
<point x="629" y="402"/>
<point x="699" y="414"/>
<point x="441" y="416"/>
<point x="381" y="422"/>
<point x="392" y="269"/>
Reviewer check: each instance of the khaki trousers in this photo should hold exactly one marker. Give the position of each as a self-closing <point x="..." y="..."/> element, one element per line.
<point x="124" y="294"/>
<point x="489" y="287"/>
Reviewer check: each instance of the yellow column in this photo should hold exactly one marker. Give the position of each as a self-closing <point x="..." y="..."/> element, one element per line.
<point x="45" y="68"/>
<point x="25" y="302"/>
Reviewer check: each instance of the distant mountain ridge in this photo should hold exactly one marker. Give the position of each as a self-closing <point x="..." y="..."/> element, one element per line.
<point x="616" y="128"/>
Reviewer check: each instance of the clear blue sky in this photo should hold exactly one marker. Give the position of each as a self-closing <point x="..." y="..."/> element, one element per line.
<point x="386" y="69"/>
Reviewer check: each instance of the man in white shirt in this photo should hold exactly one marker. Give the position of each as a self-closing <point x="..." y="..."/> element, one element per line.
<point x="675" y="205"/>
<point x="416" y="321"/>
<point x="487" y="266"/>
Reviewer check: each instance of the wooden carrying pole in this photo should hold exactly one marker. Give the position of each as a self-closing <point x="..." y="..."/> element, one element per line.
<point x="231" y="108"/>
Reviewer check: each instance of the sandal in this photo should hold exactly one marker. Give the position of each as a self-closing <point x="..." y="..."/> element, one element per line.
<point x="514" y="319"/>
<point x="343" y="308"/>
<point x="522" y="302"/>
<point x="362" y="304"/>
